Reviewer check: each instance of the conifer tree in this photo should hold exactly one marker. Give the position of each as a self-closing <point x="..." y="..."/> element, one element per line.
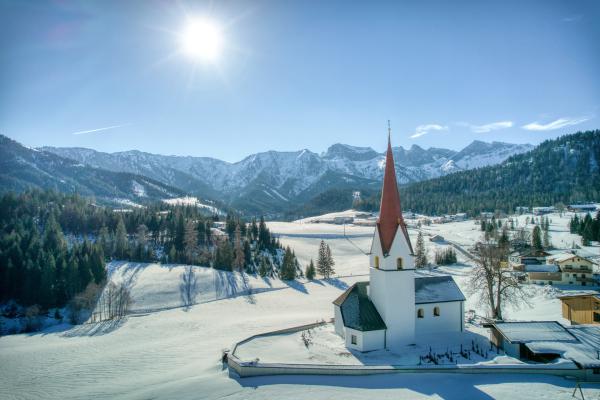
<point x="288" y="266"/>
<point x="310" y="271"/>
<point x="121" y="242"/>
<point x="420" y="252"/>
<point x="323" y="261"/>
<point x="238" y="248"/>
<point x="536" y="238"/>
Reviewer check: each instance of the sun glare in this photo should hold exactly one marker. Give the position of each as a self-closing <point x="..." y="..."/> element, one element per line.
<point x="202" y="39"/>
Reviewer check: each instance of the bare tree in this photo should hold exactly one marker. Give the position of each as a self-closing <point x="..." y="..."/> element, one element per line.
<point x="493" y="282"/>
<point x="114" y="301"/>
<point x="188" y="286"/>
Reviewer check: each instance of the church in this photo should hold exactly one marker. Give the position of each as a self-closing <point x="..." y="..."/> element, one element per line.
<point x="398" y="303"/>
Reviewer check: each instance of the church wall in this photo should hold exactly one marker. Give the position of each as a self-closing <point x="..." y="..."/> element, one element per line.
<point x="449" y="320"/>
<point x="392" y="292"/>
<point x="339" y="322"/>
<point x="365" y="341"/>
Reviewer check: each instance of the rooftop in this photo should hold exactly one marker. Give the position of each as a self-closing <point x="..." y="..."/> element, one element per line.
<point x="525" y="332"/>
<point x="436" y="289"/>
<point x="358" y="312"/>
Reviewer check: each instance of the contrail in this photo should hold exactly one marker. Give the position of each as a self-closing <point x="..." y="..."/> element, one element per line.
<point x="100" y="129"/>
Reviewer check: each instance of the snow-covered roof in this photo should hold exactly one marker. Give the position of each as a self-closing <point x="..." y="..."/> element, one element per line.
<point x="436" y="289"/>
<point x="535" y="331"/>
<point x="541" y="268"/>
<point x="565" y="257"/>
<point x="583" y="350"/>
<point x="580" y="293"/>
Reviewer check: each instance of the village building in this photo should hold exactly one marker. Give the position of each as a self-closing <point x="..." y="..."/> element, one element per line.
<point x="546" y="341"/>
<point x="544" y="268"/>
<point x="397" y="304"/>
<point x="581" y="308"/>
<point x="582" y="207"/>
<point x="437" y="239"/>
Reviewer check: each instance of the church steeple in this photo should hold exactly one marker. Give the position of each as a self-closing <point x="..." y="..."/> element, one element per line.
<point x="390" y="210"/>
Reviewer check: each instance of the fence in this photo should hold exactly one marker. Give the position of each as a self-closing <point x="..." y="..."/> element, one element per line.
<point x="256" y="368"/>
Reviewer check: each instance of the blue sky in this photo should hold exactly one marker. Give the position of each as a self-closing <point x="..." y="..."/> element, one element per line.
<point x="111" y="75"/>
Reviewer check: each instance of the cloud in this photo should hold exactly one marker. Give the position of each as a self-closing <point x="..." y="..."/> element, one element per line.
<point x="573" y="18"/>
<point x="559" y="123"/>
<point x="100" y="129"/>
<point x="485" y="128"/>
<point x="425" y="129"/>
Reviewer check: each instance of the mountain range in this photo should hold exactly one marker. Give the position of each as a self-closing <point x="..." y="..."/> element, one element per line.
<point x="276" y="181"/>
<point x="271" y="182"/>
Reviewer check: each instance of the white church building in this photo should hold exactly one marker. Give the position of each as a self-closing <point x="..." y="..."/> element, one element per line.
<point x="398" y="303"/>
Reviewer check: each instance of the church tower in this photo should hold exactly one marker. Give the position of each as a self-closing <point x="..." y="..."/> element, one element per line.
<point x="392" y="286"/>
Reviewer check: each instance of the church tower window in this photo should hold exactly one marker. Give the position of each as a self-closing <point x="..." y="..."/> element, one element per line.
<point x="377" y="262"/>
<point x="436" y="311"/>
<point x="399" y="263"/>
<point x="420" y="313"/>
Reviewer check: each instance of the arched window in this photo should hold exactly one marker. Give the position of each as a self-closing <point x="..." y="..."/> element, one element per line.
<point x="377" y="262"/>
<point x="420" y="313"/>
<point x="436" y="311"/>
<point x="399" y="263"/>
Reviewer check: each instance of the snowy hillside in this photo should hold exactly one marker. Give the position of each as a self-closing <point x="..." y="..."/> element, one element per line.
<point x="165" y="350"/>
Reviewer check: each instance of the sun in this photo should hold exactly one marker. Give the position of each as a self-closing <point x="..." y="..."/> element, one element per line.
<point x="202" y="39"/>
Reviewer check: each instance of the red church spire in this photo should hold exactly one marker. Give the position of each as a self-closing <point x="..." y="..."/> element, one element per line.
<point x="390" y="210"/>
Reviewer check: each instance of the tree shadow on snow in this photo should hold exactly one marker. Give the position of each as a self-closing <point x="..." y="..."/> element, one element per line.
<point x="296" y="286"/>
<point x="446" y="386"/>
<point x="336" y="283"/>
<point x="95" y="329"/>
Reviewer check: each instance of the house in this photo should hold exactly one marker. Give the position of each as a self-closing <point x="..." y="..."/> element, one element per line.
<point x="519" y="259"/>
<point x="576" y="270"/>
<point x="546" y="341"/>
<point x="437" y="239"/>
<point x="543" y="210"/>
<point x="460" y="216"/>
<point x="521" y="209"/>
<point x="582" y="207"/>
<point x="558" y="269"/>
<point x="581" y="308"/>
<point x="397" y="304"/>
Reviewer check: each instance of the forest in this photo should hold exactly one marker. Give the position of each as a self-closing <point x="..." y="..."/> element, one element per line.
<point x="561" y="171"/>
<point x="53" y="245"/>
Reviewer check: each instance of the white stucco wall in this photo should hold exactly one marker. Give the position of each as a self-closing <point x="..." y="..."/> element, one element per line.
<point x="449" y="320"/>
<point x="339" y="322"/>
<point x="399" y="249"/>
<point x="365" y="341"/>
<point x="393" y="291"/>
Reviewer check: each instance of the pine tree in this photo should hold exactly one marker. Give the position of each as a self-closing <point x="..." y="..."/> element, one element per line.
<point x="420" y="252"/>
<point x="263" y="269"/>
<point x="121" y="242"/>
<point x="330" y="262"/>
<point x="190" y="241"/>
<point x="179" y="239"/>
<point x="325" y="262"/>
<point x="310" y="271"/>
<point x="536" y="238"/>
<point x="238" y="248"/>
<point x="288" y="266"/>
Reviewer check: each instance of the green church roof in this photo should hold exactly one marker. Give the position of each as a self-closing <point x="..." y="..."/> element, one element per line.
<point x="358" y="312"/>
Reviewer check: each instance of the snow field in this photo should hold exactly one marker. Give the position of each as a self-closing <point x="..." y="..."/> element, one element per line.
<point x="175" y="353"/>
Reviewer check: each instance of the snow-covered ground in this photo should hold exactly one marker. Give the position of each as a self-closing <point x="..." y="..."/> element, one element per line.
<point x="192" y="201"/>
<point x="168" y="351"/>
<point x="321" y="345"/>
